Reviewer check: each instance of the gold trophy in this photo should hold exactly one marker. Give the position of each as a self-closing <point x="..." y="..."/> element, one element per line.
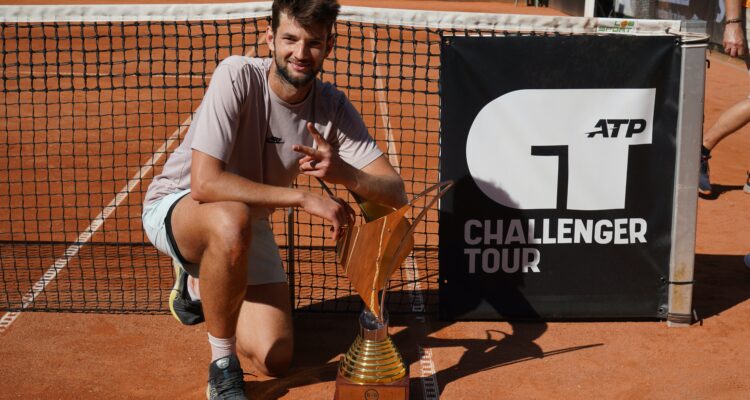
<point x="373" y="368"/>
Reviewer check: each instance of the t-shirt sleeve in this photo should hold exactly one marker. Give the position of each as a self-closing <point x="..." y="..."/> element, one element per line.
<point x="216" y="120"/>
<point x="356" y="146"/>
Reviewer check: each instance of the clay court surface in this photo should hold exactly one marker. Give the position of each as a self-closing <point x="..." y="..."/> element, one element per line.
<point x="101" y="356"/>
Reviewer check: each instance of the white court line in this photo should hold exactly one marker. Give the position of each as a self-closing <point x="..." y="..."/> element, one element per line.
<point x="383" y="106"/>
<point x="96" y="223"/>
<point x="430" y="388"/>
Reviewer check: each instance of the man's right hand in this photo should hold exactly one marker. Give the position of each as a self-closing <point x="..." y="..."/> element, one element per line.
<point x="734" y="43"/>
<point x="333" y="209"/>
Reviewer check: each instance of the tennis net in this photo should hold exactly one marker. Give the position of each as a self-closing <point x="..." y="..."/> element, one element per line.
<point x="95" y="98"/>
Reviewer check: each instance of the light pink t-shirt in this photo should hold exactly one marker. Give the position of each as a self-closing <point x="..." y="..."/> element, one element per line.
<point x="243" y="123"/>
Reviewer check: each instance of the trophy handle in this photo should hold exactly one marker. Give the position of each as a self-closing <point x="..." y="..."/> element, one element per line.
<point x="441" y="188"/>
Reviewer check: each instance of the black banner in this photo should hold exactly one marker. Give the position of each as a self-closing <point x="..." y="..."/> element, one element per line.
<point x="563" y="153"/>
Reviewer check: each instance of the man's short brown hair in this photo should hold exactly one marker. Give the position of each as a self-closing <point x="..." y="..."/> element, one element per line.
<point x="307" y="13"/>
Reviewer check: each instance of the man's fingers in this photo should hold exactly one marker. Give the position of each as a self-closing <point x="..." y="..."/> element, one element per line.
<point x="312" y="156"/>
<point x="343" y="220"/>
<point x="309" y="151"/>
<point x="316" y="135"/>
<point x="335" y="231"/>
<point x="348" y="212"/>
<point x="733" y="49"/>
<point x="309" y="164"/>
<point x="339" y="229"/>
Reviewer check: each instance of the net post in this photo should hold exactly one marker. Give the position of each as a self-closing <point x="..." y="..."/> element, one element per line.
<point x="290" y="266"/>
<point x="689" y="134"/>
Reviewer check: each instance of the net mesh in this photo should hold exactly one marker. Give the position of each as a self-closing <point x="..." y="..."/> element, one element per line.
<point x="90" y="111"/>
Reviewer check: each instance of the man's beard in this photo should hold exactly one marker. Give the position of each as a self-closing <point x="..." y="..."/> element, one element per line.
<point x="283" y="72"/>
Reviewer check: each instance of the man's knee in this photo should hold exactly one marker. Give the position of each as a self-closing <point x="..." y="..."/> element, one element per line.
<point x="273" y="361"/>
<point x="231" y="229"/>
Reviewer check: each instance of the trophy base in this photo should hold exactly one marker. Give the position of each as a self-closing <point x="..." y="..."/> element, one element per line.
<point x="348" y="390"/>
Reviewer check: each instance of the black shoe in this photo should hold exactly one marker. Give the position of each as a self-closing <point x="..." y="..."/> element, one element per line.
<point x="185" y="310"/>
<point x="226" y="380"/>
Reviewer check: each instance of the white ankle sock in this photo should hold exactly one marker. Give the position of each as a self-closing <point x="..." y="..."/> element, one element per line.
<point x="191" y="291"/>
<point x="221" y="347"/>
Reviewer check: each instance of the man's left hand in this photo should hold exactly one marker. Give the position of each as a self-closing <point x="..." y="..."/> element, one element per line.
<point x="322" y="162"/>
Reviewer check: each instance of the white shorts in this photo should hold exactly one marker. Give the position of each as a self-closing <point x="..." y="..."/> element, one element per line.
<point x="263" y="260"/>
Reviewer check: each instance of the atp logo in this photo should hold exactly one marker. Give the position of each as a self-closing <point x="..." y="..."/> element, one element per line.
<point x="559" y="148"/>
<point x="611" y="127"/>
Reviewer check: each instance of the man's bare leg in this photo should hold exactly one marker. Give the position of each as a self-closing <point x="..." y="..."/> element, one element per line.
<point x="264" y="331"/>
<point x="218" y="236"/>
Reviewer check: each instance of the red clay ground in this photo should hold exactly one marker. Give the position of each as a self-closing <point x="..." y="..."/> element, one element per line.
<point x="93" y="356"/>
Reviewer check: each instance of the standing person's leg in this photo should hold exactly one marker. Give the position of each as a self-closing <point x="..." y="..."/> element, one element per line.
<point x="730" y="121"/>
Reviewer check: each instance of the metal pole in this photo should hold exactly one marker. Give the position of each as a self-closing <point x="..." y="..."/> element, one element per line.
<point x="290" y="267"/>
<point x="689" y="134"/>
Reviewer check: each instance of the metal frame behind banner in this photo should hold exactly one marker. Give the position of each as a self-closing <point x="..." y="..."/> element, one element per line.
<point x="689" y="133"/>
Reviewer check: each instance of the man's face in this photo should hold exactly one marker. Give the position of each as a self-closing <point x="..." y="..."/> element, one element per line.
<point x="297" y="52"/>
